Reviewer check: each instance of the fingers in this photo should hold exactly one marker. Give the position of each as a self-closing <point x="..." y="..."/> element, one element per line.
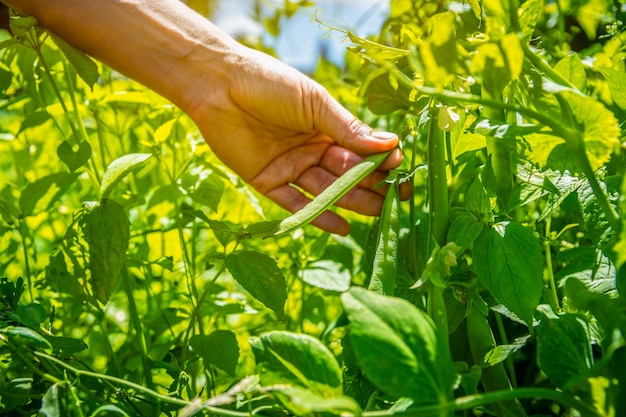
<point x="335" y="121"/>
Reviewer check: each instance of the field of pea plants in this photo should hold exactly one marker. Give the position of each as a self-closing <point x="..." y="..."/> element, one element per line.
<point x="140" y="277"/>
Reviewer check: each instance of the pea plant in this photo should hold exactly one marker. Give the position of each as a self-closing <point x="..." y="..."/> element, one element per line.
<point x="141" y="277"/>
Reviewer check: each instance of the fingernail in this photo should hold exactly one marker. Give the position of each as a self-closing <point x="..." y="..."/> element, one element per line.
<point x="386" y="136"/>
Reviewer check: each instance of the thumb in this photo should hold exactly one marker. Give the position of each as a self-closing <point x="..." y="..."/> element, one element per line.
<point x="348" y="131"/>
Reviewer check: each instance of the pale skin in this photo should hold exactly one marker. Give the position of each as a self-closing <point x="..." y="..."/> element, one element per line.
<point x="269" y="123"/>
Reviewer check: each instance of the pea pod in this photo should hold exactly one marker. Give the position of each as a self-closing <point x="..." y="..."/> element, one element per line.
<point x="384" y="270"/>
<point x="330" y="195"/>
<point x="500" y="158"/>
<point x="493" y="378"/>
<point x="437" y="182"/>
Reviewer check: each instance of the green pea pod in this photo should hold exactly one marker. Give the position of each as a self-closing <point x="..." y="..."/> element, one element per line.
<point x="439" y="209"/>
<point x="384" y="270"/>
<point x="493" y="378"/>
<point x="330" y="195"/>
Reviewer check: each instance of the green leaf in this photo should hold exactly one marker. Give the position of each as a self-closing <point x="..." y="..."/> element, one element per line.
<point x="608" y="310"/>
<point x="11" y="292"/>
<point x="74" y="160"/>
<point x="561" y="185"/>
<point x="375" y="51"/>
<point x="598" y="125"/>
<point x="208" y="191"/>
<point x="528" y="14"/>
<point x="23" y="27"/>
<point x="85" y="67"/>
<point x="598" y="228"/>
<point x="120" y="168"/>
<point x="297" y="359"/>
<point x="496" y="18"/>
<point x="497" y="63"/>
<point x="501" y="352"/>
<point x="36" y="118"/>
<point x="439" y="55"/>
<point x="31" y="314"/>
<point x="398" y="347"/>
<point x="383" y="97"/>
<point x="106" y="229"/>
<point x="261" y="277"/>
<point x="66" y="345"/>
<point x="507" y="258"/>
<point x="616" y="81"/>
<point x="219" y="348"/>
<point x="303" y="402"/>
<point x="588" y="265"/>
<point x="39" y="195"/>
<point x="464" y="230"/>
<point x="52" y="402"/>
<point x="23" y="336"/>
<point x="563" y="346"/>
<point x="260" y="229"/>
<point x="60" y="279"/>
<point x="489" y="127"/>
<point x="328" y="275"/>
<point x="572" y="69"/>
<point x="439" y="265"/>
<point x="478" y="202"/>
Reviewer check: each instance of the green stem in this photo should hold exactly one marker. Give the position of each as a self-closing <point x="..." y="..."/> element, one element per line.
<point x="139" y="388"/>
<point x="23" y="234"/>
<point x="454" y="97"/>
<point x="505" y="340"/>
<point x="545" y="68"/>
<point x="436" y="309"/>
<point x="472" y="401"/>
<point x="78" y="119"/>
<point x="601" y="198"/>
<point x="561" y="23"/>
<point x="58" y="94"/>
<point x="139" y="333"/>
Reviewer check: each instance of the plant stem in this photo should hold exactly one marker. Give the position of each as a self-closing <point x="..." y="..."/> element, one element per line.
<point x="601" y="198"/>
<point x="472" y="401"/>
<point x="23" y="234"/>
<point x="139" y="388"/>
<point x="57" y="92"/>
<point x="505" y="341"/>
<point x="78" y="119"/>
<point x="139" y="333"/>
<point x="545" y="68"/>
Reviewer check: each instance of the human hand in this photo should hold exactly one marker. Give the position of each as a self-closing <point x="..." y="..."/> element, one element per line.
<point x="280" y="131"/>
<point x="276" y="128"/>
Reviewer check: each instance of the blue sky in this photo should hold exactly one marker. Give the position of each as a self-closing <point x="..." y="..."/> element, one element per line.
<point x="301" y="41"/>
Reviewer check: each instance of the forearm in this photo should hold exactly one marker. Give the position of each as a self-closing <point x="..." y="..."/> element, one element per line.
<point x="160" y="43"/>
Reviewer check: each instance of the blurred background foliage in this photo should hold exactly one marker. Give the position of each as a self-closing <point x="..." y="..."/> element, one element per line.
<point x="190" y="219"/>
